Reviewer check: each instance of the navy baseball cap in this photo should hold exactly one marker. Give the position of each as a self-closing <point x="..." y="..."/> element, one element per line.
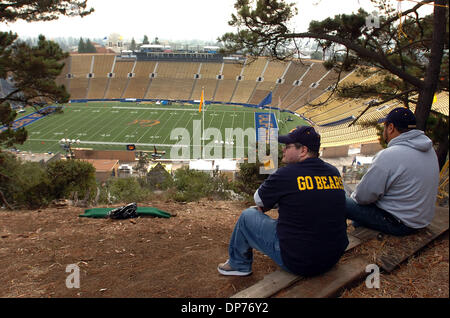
<point x="304" y="135"/>
<point x="401" y="117"/>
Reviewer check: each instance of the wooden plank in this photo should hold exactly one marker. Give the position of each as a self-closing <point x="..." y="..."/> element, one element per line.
<point x="330" y="283"/>
<point x="396" y="250"/>
<point x="352" y="242"/>
<point x="364" y="234"/>
<point x="280" y="279"/>
<point x="269" y="285"/>
<point x="343" y="275"/>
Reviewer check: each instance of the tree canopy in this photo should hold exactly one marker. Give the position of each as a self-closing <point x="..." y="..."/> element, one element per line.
<point x="31" y="70"/>
<point x="410" y="50"/>
<point x="407" y="51"/>
<point x="33" y="10"/>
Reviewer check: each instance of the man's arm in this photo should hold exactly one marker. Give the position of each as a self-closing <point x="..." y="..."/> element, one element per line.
<point x="260" y="204"/>
<point x="372" y="186"/>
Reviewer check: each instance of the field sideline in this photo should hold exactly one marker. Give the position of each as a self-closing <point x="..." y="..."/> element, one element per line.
<point x="113" y="125"/>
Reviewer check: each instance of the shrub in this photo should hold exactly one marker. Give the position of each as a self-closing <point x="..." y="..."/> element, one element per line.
<point x="125" y="190"/>
<point x="158" y="178"/>
<point x="191" y="185"/>
<point x="23" y="184"/>
<point x="72" y="176"/>
<point x="248" y="179"/>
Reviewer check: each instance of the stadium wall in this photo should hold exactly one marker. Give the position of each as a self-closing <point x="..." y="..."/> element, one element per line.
<point x="122" y="156"/>
<point x="370" y="148"/>
<point x="335" y="152"/>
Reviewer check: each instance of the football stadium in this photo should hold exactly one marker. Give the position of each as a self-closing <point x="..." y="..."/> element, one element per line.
<point x="131" y="169"/>
<point x="120" y="100"/>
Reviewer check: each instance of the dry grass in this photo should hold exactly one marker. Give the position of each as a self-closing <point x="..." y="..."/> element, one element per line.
<point x="424" y="275"/>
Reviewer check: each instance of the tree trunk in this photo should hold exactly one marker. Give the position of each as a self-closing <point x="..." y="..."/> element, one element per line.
<point x="441" y="152"/>
<point x="426" y="93"/>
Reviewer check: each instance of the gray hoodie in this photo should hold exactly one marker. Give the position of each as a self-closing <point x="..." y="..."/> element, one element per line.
<point x="403" y="180"/>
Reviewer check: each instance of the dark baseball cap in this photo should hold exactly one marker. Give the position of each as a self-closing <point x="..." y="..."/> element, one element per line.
<point x="401" y="117"/>
<point x="304" y="135"/>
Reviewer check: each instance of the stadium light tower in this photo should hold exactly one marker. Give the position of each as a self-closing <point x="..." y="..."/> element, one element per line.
<point x="66" y="144"/>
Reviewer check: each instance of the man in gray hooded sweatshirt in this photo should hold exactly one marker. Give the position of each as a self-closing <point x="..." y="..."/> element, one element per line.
<point x="397" y="195"/>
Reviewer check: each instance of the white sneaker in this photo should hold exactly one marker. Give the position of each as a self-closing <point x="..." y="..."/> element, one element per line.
<point x="227" y="270"/>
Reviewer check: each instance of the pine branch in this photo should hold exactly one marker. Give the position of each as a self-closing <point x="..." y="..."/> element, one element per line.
<point x="363" y="52"/>
<point x="372" y="104"/>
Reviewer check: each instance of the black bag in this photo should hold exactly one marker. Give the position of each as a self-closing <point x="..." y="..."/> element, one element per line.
<point x="123" y="212"/>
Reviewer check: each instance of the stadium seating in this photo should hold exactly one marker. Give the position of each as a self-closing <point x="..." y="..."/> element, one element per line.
<point x="441" y="104"/>
<point x="294" y="72"/>
<point x="177" y="80"/>
<point x="117" y="84"/>
<point x="261" y="91"/>
<point x="160" y="88"/>
<point x="103" y="64"/>
<point x="302" y="94"/>
<point x="207" y="80"/>
<point x="79" y="88"/>
<point x="181" y="80"/>
<point x="62" y="79"/>
<point x="243" y="92"/>
<point x="97" y="87"/>
<point x="274" y="71"/>
<point x="138" y="85"/>
<point x="81" y="65"/>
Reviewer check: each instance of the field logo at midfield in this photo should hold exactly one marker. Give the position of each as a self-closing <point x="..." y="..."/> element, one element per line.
<point x="214" y="148"/>
<point x="145" y="122"/>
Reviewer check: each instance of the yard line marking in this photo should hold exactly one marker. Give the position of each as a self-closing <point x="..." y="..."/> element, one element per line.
<point x="121" y="134"/>
<point x="160" y="118"/>
<point x="174" y="126"/>
<point x="63" y="124"/>
<point x="111" y="143"/>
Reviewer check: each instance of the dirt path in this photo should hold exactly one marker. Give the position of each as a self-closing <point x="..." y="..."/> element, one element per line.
<point x="143" y="257"/>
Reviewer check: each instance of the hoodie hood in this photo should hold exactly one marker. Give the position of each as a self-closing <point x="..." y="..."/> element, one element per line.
<point x="415" y="139"/>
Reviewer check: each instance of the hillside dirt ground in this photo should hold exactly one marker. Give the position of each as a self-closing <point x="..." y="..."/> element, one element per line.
<point x="164" y="258"/>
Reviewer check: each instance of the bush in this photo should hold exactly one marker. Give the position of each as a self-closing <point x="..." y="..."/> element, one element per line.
<point x="23" y="184"/>
<point x="248" y="179"/>
<point x="125" y="190"/>
<point x="68" y="177"/>
<point x="37" y="186"/>
<point x="191" y="185"/>
<point x="158" y="178"/>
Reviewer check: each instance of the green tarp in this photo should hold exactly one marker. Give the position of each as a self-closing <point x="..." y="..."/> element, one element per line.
<point x="141" y="211"/>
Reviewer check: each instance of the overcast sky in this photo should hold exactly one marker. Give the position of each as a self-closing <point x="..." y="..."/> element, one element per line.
<point x="173" y="20"/>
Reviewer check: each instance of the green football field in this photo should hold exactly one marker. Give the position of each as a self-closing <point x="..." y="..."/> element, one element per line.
<point x="114" y="125"/>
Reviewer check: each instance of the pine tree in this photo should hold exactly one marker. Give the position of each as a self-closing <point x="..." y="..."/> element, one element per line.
<point x="133" y="46"/>
<point x="31" y="69"/>
<point x="90" y="48"/>
<point x="81" y="46"/>
<point x="408" y="50"/>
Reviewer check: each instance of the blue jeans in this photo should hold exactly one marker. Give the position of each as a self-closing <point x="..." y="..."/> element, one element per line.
<point x="373" y="217"/>
<point x="253" y="229"/>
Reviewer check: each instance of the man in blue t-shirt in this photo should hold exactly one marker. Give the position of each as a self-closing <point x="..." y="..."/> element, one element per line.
<point x="310" y="234"/>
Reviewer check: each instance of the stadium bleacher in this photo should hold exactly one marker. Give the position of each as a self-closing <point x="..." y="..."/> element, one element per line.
<point x="118" y="83"/>
<point x="137" y="85"/>
<point x="207" y="81"/>
<point x="63" y="79"/>
<point x="185" y="81"/>
<point x="294" y="72"/>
